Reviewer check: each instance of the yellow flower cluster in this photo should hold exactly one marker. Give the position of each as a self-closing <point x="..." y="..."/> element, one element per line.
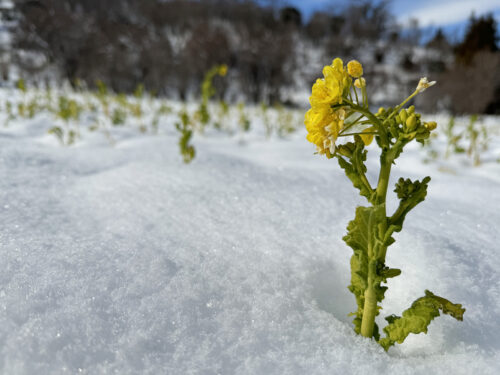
<point x="324" y="123"/>
<point x="222" y="70"/>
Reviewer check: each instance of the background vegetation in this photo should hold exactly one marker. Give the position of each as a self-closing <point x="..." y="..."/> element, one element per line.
<point x="272" y="52"/>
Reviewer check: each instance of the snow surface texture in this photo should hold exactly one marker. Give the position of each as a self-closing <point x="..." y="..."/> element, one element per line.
<point x="122" y="260"/>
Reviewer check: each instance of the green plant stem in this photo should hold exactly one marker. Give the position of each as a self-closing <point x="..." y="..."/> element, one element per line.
<point x="356" y="94"/>
<point x="359" y="133"/>
<point x="370" y="307"/>
<point x="350" y="125"/>
<point x="365" y="97"/>
<point x="382" y="131"/>
<point x="369" y="312"/>
<point x="402" y="104"/>
<point x="383" y="178"/>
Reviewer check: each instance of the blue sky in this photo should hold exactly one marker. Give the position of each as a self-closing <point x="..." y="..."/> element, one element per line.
<point x="452" y="15"/>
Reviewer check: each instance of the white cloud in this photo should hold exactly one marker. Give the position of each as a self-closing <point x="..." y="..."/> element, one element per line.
<point x="449" y="11"/>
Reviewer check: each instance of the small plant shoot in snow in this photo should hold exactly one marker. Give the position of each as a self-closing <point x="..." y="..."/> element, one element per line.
<point x="185" y="129"/>
<point x="208" y="91"/>
<point x="341" y="125"/>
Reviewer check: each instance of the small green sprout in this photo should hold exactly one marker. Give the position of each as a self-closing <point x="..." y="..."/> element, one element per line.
<point x="185" y="128"/>
<point x="21" y="85"/>
<point x="452" y="139"/>
<point x="473" y="140"/>
<point x="285" y="121"/>
<point x="478" y="138"/>
<point x="10" y="114"/>
<point x="207" y="92"/>
<point x="136" y="108"/>
<point x="163" y="110"/>
<point x="244" y="120"/>
<point x="264" y="109"/>
<point x="222" y="114"/>
<point x="103" y="97"/>
<point x="69" y="112"/>
<point x="118" y="117"/>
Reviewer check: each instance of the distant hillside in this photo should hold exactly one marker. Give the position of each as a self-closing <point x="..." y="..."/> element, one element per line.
<point x="272" y="54"/>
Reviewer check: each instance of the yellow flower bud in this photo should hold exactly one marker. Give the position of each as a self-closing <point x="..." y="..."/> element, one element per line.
<point x="431" y="125"/>
<point x="403" y="115"/>
<point x="411" y="122"/>
<point x="355" y="69"/>
<point x="360" y="83"/>
<point x="223" y="70"/>
<point x="411" y="109"/>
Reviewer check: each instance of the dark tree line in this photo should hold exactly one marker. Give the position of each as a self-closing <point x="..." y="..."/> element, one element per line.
<point x="168" y="45"/>
<point x="472" y="82"/>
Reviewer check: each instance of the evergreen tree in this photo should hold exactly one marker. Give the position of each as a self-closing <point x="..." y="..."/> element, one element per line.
<point x="481" y="36"/>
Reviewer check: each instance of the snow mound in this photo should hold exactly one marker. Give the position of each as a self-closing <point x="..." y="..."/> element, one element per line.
<point x="122" y="260"/>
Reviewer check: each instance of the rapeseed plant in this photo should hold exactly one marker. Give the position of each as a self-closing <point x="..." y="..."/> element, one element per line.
<point x="471" y="140"/>
<point x="21" y="106"/>
<point x="136" y="108"/>
<point x="222" y="114"/>
<point x="185" y="128"/>
<point x="10" y="114"/>
<point x="161" y="111"/>
<point x="478" y="138"/>
<point x="207" y="92"/>
<point x="69" y="111"/>
<point x="341" y="125"/>
<point x="243" y="119"/>
<point x="264" y="108"/>
<point x="286" y="124"/>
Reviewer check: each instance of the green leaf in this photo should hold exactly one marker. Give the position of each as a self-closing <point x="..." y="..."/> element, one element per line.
<point x="410" y="193"/>
<point x="362" y="230"/>
<point x="362" y="237"/>
<point x="58" y="132"/>
<point x="417" y="318"/>
<point x="387" y="272"/>
<point x="355" y="169"/>
<point x="71" y="137"/>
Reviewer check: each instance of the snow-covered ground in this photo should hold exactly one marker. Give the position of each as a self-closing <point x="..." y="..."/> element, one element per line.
<point x="123" y="260"/>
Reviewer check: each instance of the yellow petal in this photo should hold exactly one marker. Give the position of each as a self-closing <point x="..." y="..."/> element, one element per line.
<point x="367" y="138"/>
